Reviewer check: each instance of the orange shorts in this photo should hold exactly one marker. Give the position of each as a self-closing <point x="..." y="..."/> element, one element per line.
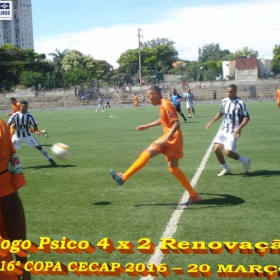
<point x="278" y="104"/>
<point x="169" y="152"/>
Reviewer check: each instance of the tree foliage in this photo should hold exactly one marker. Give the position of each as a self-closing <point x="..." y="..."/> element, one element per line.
<point x="275" y="63"/>
<point x="246" y="52"/>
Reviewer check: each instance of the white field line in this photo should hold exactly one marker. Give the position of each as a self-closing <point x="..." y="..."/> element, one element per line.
<point x="171" y="226"/>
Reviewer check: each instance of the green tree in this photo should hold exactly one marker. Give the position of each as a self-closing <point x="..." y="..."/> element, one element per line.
<point x="275" y="63"/>
<point x="76" y="63"/>
<point x="57" y="58"/>
<point x="14" y="61"/>
<point x="29" y="78"/>
<point x="158" y="42"/>
<point x="246" y="51"/>
<point x="215" y="53"/>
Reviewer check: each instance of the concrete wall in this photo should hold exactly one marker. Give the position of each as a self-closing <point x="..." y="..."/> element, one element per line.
<point x="263" y="64"/>
<point x="247" y="74"/>
<point x="228" y="68"/>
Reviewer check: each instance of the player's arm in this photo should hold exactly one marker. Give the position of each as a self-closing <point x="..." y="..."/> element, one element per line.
<point x="145" y="126"/>
<point x="218" y="116"/>
<point x="173" y="129"/>
<point x="237" y="131"/>
<point x="8" y="115"/>
<point x="36" y="129"/>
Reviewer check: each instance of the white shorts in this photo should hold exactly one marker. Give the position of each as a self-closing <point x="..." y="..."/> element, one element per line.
<point x="188" y="105"/>
<point x="30" y="141"/>
<point x="226" y="139"/>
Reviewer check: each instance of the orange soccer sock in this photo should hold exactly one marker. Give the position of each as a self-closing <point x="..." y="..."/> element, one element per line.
<point x="182" y="178"/>
<point x="137" y="165"/>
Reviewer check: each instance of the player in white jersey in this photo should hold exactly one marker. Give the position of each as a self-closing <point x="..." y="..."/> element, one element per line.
<point x="100" y="104"/>
<point x="22" y="121"/>
<point x="190" y="101"/>
<point x="236" y="117"/>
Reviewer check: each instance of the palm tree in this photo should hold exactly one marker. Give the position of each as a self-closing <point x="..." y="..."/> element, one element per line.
<point x="57" y="59"/>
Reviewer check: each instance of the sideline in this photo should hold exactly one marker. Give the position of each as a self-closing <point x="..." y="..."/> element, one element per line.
<point x="172" y="224"/>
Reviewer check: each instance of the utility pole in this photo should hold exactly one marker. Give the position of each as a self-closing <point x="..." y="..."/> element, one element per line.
<point x="139" y="51"/>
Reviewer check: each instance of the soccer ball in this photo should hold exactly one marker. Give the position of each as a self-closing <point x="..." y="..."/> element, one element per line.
<point x="60" y="150"/>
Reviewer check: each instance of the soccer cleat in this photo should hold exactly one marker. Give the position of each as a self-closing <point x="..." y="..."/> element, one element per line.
<point x="45" y="133"/>
<point x="117" y="178"/>
<point x="193" y="199"/>
<point x="53" y="163"/>
<point x="224" y="172"/>
<point x="246" y="165"/>
<point x="185" y="120"/>
<point x="189" y="116"/>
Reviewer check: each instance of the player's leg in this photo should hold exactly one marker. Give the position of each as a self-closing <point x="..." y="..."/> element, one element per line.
<point x="230" y="147"/>
<point x="178" y="109"/>
<point x="193" y="111"/>
<point x="220" y="156"/>
<point x="140" y="162"/>
<point x="173" y="166"/>
<point x="45" y="154"/>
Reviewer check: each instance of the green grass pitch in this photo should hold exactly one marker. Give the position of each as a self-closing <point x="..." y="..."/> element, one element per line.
<point x="79" y="200"/>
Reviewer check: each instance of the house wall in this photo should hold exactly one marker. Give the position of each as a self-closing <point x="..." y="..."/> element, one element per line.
<point x="228" y="68"/>
<point x="263" y="64"/>
<point x="246" y="74"/>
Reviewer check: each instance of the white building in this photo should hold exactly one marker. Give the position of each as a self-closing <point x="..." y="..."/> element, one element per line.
<point x="19" y="30"/>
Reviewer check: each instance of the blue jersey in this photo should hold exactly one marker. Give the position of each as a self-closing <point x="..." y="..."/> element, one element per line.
<point x="175" y="98"/>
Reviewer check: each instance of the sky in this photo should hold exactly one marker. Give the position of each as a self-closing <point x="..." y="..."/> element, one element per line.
<point x="104" y="29"/>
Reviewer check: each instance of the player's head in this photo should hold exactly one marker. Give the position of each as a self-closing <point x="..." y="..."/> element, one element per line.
<point x="13" y="100"/>
<point x="188" y="90"/>
<point x="23" y="106"/>
<point x="231" y="91"/>
<point x="174" y="91"/>
<point x="154" y="95"/>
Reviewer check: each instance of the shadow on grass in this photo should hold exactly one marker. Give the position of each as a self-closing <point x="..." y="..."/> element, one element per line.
<point x="220" y="200"/>
<point x="102" y="203"/>
<point x="264" y="173"/>
<point x="49" y="166"/>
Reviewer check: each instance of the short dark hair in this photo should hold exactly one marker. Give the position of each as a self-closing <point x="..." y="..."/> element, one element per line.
<point x="155" y="89"/>
<point x="12" y="98"/>
<point x="24" y="102"/>
<point x="233" y="86"/>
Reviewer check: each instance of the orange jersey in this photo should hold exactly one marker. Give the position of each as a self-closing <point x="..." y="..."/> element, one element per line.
<point x="16" y="107"/>
<point x="11" y="179"/>
<point x="11" y="176"/>
<point x="135" y="99"/>
<point x="168" y="115"/>
<point x="278" y="95"/>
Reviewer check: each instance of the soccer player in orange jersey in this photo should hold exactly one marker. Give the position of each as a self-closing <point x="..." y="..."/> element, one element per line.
<point x="12" y="219"/>
<point x="16" y="108"/>
<point x="170" y="144"/>
<point x="278" y="97"/>
<point x="136" y="101"/>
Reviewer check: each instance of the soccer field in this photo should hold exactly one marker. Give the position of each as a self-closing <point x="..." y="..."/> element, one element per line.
<point x="79" y="200"/>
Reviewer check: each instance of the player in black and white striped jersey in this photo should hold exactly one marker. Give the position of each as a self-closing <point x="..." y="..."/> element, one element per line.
<point x="190" y="101"/>
<point x="22" y="121"/>
<point x="236" y="117"/>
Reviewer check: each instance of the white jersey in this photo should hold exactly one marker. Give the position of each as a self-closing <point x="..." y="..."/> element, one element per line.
<point x="234" y="111"/>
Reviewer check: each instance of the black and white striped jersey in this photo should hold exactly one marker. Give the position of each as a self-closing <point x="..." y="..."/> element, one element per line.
<point x="189" y="97"/>
<point x="22" y="123"/>
<point x="234" y="111"/>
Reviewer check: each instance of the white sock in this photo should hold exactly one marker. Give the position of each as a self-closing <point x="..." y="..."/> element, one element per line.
<point x="242" y="159"/>
<point x="45" y="153"/>
<point x="225" y="166"/>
